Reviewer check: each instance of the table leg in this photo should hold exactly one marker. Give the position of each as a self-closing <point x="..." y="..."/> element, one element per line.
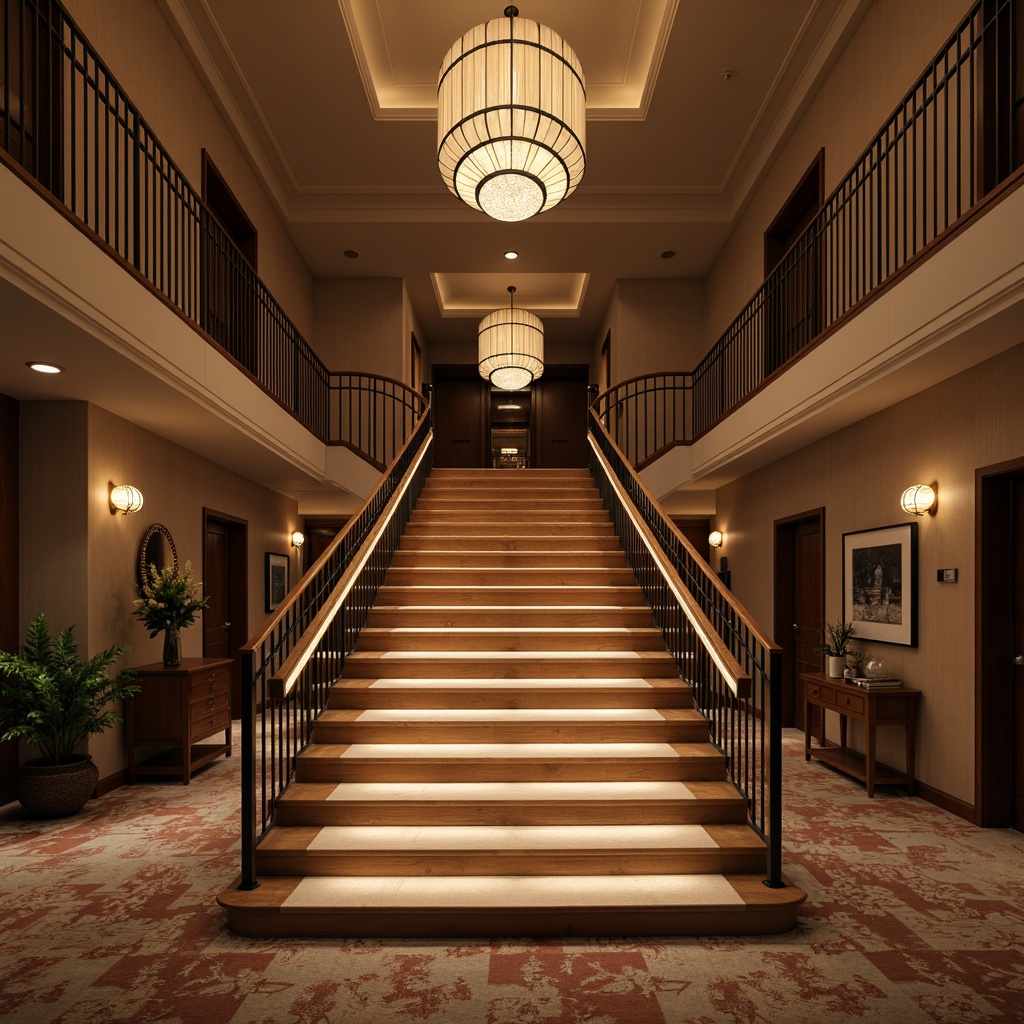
<point x="910" y="726"/>
<point x="869" y="755"/>
<point x="807" y="730"/>
<point x="842" y="730"/>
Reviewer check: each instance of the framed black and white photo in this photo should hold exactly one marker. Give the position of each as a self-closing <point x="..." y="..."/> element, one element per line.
<point x="277" y="579"/>
<point x="880" y="584"/>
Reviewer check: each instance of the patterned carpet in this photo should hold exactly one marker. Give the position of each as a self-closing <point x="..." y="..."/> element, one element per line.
<point x="912" y="915"/>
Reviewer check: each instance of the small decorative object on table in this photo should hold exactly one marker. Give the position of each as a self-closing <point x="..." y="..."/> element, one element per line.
<point x="168" y="601"/>
<point x="836" y="646"/>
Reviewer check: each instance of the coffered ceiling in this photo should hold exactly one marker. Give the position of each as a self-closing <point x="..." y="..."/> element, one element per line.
<point x="688" y="102"/>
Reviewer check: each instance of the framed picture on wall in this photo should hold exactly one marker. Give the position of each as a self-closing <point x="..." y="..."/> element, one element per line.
<point x="880" y="584"/>
<point x="277" y="579"/>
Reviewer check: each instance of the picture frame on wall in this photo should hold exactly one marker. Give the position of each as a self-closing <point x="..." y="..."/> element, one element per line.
<point x="277" y="567"/>
<point x="880" y="584"/>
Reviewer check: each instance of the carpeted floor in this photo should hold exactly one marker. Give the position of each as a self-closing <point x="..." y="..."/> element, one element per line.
<point x="913" y="915"/>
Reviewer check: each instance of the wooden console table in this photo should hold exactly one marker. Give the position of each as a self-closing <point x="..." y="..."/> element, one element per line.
<point x="178" y="707"/>
<point x="895" y="704"/>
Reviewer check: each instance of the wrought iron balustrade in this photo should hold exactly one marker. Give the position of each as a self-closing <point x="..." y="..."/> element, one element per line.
<point x="734" y="667"/>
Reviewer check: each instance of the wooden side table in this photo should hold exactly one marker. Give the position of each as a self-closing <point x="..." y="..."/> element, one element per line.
<point x="896" y="704"/>
<point x="178" y="707"/>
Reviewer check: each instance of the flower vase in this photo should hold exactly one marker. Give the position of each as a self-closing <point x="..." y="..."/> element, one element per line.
<point x="172" y="647"/>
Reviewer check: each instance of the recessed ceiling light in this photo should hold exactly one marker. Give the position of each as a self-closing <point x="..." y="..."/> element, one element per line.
<point x="350" y="254"/>
<point x="668" y="254"/>
<point x="45" y="367"/>
<point x="511" y="255"/>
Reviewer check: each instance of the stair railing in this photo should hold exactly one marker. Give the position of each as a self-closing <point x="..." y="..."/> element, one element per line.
<point x="288" y="667"/>
<point x="734" y="667"/>
<point x="372" y="415"/>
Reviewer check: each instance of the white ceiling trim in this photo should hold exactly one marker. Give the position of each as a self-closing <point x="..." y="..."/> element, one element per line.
<point x="625" y="100"/>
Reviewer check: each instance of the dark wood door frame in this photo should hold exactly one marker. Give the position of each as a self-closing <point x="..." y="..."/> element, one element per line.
<point x="238" y="596"/>
<point x="994" y="675"/>
<point x="785" y="590"/>
<point x="10" y="628"/>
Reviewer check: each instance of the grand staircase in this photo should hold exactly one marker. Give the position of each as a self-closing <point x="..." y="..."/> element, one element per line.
<point x="510" y="750"/>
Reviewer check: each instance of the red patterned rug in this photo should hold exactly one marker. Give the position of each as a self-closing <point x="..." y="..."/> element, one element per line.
<point x="912" y="915"/>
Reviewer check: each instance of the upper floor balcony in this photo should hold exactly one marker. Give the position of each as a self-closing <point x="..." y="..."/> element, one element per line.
<point x="896" y="280"/>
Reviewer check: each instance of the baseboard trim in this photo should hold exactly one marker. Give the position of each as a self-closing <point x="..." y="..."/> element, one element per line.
<point x="960" y="808"/>
<point x="110" y="783"/>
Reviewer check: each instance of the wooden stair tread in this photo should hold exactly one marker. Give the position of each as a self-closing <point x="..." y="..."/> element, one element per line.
<point x="537" y="906"/>
<point x="511" y="792"/>
<point x="568" y="715"/>
<point x="514" y="751"/>
<point x="383" y="839"/>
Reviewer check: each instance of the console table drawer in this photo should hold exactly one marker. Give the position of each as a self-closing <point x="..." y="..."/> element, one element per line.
<point x="202" y="709"/>
<point x="211" y="682"/>
<point x="850" y="702"/>
<point x="821" y="693"/>
<point x="207" y="723"/>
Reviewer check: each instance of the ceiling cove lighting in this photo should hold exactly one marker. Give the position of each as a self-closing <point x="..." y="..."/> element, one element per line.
<point x="511" y="118"/>
<point x="511" y="347"/>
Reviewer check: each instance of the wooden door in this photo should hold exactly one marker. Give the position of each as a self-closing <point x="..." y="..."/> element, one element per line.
<point x="1017" y="650"/>
<point x="799" y="605"/>
<point x="999" y="627"/>
<point x="793" y="301"/>
<point x="10" y="632"/>
<point x="32" y="90"/>
<point x="560" y="418"/>
<point x="460" y="418"/>
<point x="225" y="581"/>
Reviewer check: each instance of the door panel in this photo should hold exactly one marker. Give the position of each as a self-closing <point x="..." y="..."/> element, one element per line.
<point x="1017" y="651"/>
<point x="460" y="418"/>
<point x="10" y="636"/>
<point x="561" y="420"/>
<point x="799" y="605"/>
<point x="226" y="583"/>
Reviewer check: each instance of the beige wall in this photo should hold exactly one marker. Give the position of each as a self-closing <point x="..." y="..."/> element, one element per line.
<point x="361" y="325"/>
<point x="943" y="434"/>
<point x="892" y="46"/>
<point x="655" y="325"/>
<point x="142" y="52"/>
<point x="78" y="561"/>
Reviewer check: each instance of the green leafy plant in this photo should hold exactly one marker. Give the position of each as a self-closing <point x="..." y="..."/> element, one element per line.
<point x="52" y="698"/>
<point x="169" y="598"/>
<point x="837" y="639"/>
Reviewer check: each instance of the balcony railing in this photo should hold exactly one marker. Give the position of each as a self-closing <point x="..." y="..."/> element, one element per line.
<point x="956" y="135"/>
<point x="68" y="124"/>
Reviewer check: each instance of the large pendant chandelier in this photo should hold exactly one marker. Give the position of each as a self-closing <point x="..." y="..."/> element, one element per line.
<point x="511" y="347"/>
<point x="511" y="118"/>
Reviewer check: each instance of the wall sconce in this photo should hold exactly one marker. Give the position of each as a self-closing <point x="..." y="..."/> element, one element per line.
<point x="919" y="499"/>
<point x="716" y="538"/>
<point x="125" y="499"/>
<point x="298" y="539"/>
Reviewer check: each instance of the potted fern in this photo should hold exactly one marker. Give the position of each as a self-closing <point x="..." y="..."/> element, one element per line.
<point x="55" y="700"/>
<point x="836" y="646"/>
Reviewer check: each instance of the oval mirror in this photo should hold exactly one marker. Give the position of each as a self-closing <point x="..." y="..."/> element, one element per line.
<point x="157" y="548"/>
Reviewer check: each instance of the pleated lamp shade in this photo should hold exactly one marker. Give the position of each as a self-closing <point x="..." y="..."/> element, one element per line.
<point x="511" y="348"/>
<point x="511" y="118"/>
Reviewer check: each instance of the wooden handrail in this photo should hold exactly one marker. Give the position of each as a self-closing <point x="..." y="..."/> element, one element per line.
<point x="286" y="605"/>
<point x="738" y="680"/>
<point x="282" y="681"/>
<point x="726" y="594"/>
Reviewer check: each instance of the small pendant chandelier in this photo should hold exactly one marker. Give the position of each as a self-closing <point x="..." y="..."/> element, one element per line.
<point x="511" y="118"/>
<point x="511" y="347"/>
